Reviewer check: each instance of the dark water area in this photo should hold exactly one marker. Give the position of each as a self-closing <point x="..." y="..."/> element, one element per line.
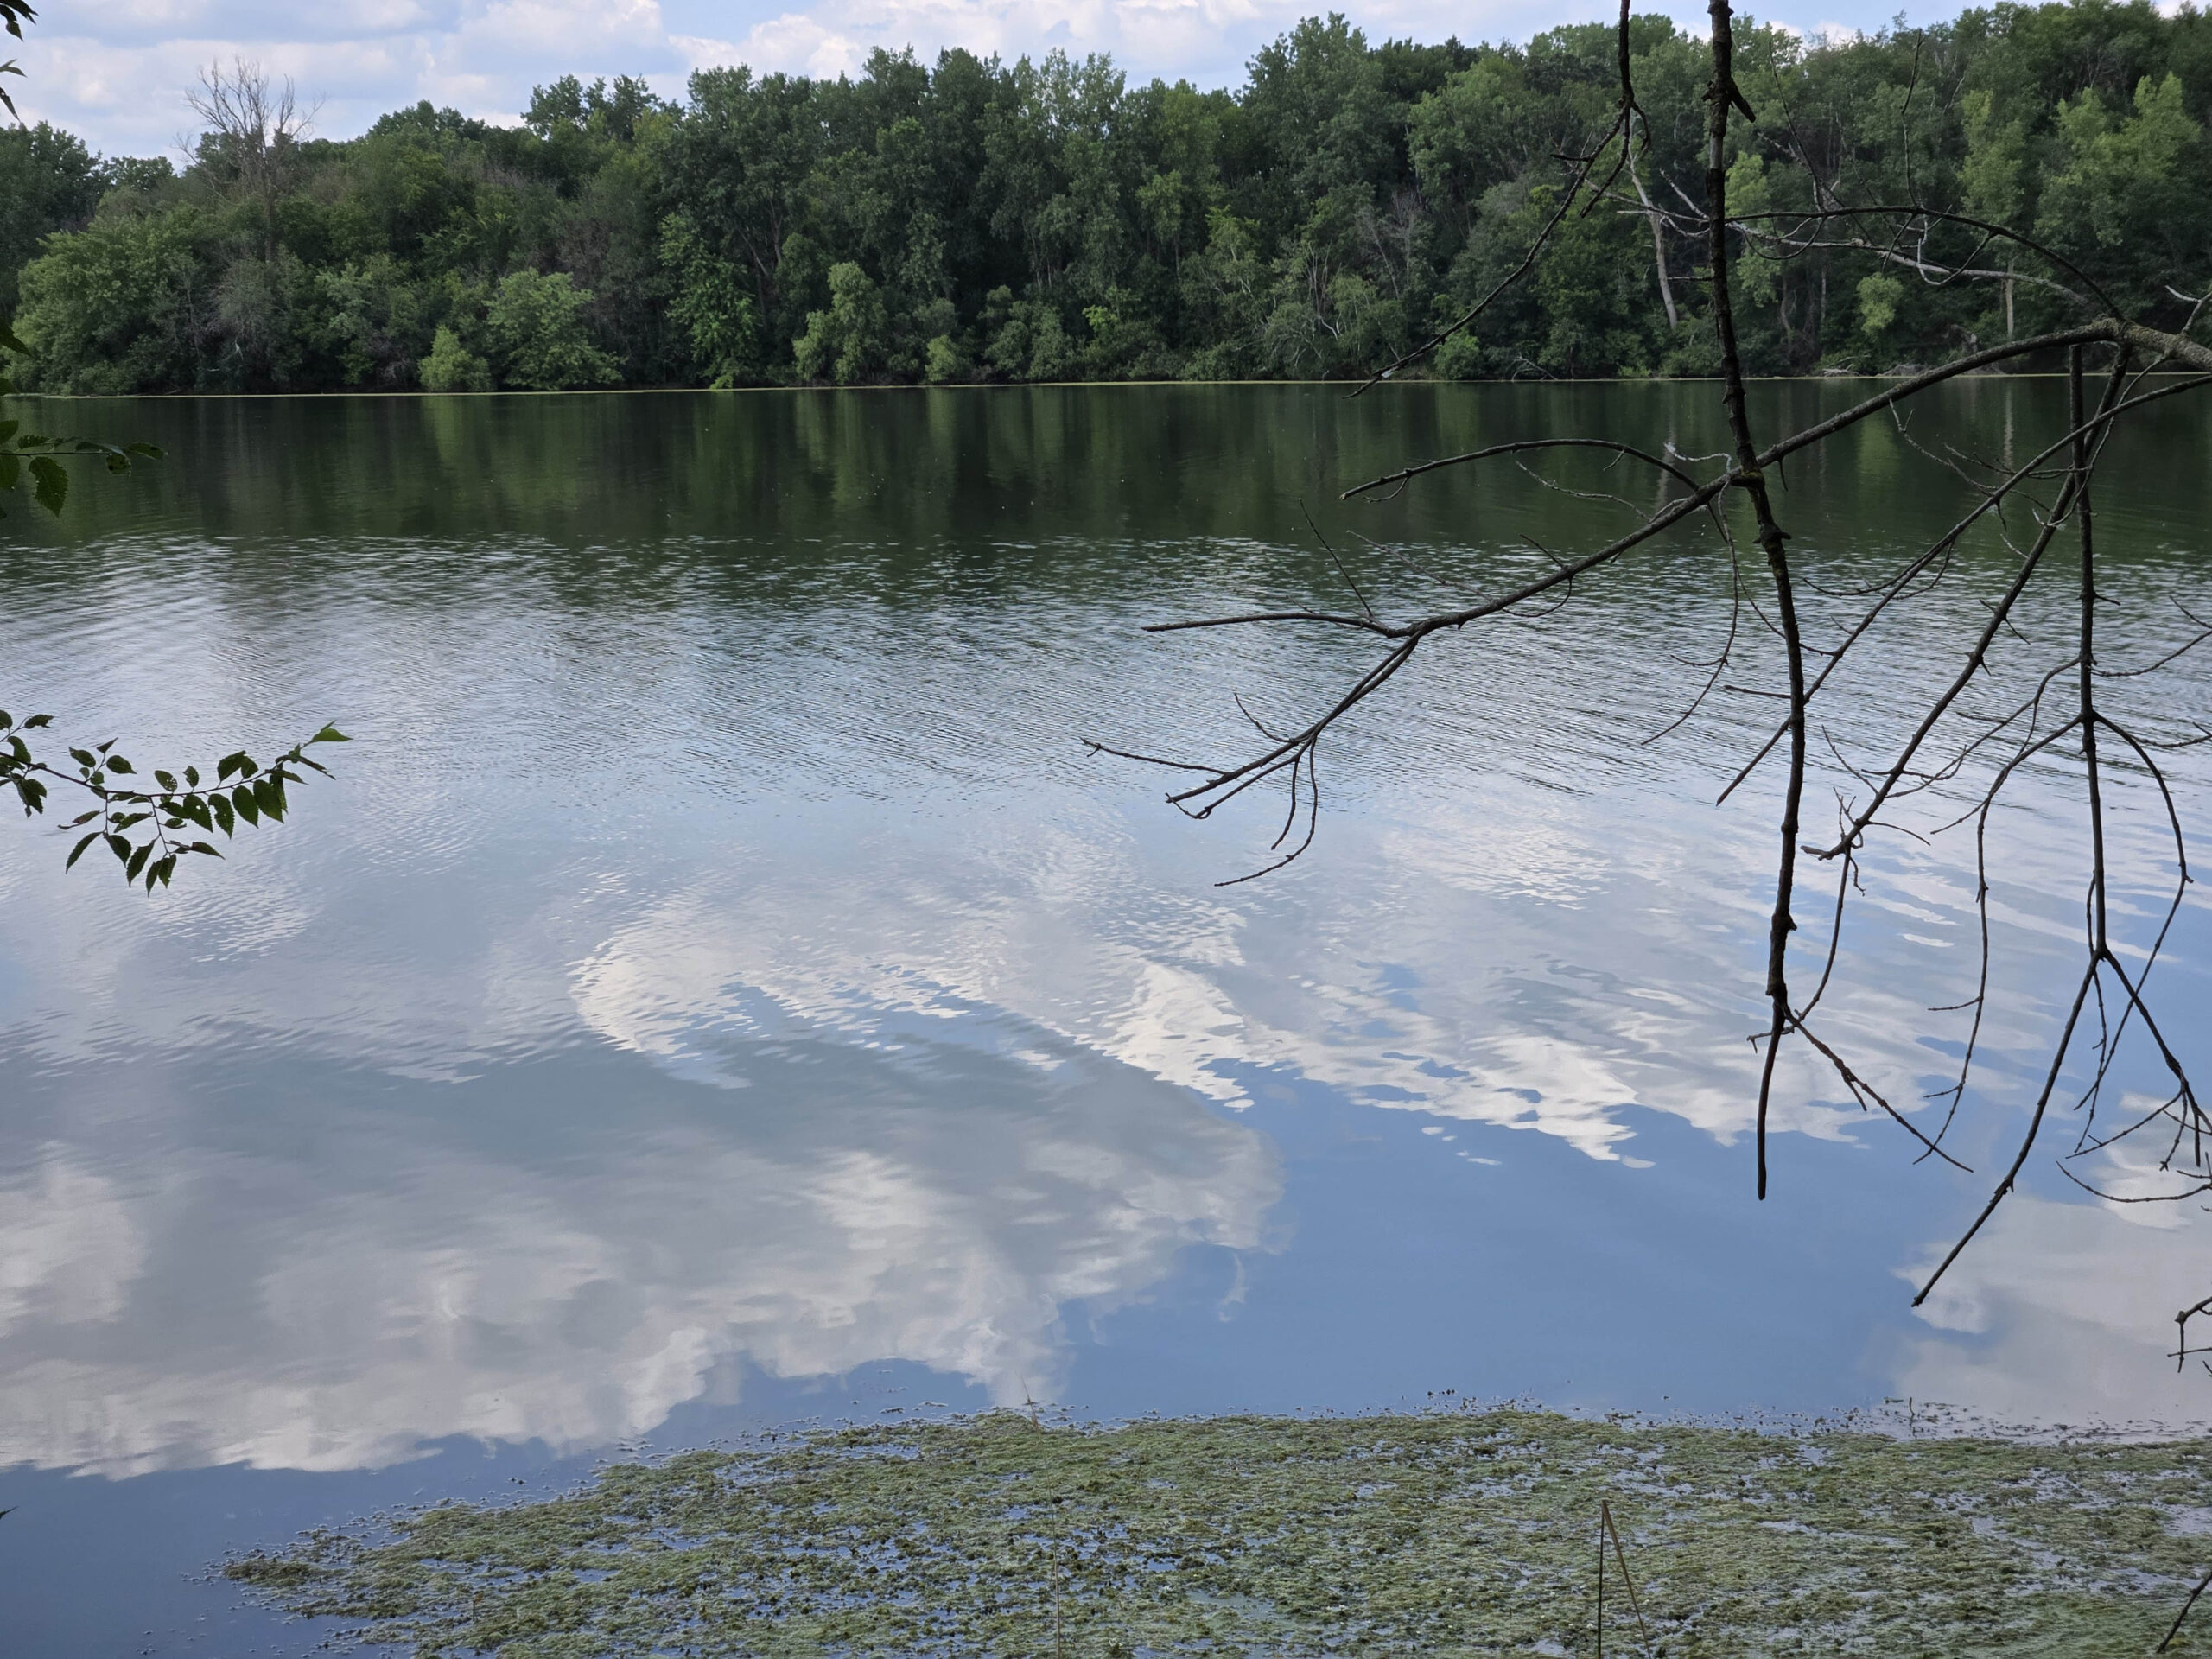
<point x="720" y="987"/>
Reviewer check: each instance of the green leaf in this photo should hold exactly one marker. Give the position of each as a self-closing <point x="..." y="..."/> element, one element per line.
<point x="224" y="820"/>
<point x="119" y="847"/>
<point x="138" y="862"/>
<point x="192" y="777"/>
<point x="49" y="483"/>
<point x="330" y="735"/>
<point x="116" y="763"/>
<point x="231" y="763"/>
<point x="203" y="847"/>
<point x="268" y="796"/>
<point x="78" y="851"/>
<point x="166" y="779"/>
<point x="37" y="720"/>
<point x="84" y="758"/>
<point x="249" y="809"/>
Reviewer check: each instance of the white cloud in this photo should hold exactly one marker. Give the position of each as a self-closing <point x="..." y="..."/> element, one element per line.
<point x="115" y="71"/>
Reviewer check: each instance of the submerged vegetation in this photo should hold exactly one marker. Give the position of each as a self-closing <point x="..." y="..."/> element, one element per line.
<point x="1444" y="1532"/>
<point x="1047" y="221"/>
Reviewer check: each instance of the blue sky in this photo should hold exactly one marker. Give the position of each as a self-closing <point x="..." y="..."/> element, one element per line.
<point x="115" y="71"/>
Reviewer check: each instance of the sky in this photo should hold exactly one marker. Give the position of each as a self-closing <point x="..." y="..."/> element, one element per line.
<point x="116" y="72"/>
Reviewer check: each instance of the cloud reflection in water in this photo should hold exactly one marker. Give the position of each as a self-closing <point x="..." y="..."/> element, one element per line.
<point x="567" y="1250"/>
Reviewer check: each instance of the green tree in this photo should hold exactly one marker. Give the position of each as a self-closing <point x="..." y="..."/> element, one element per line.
<point x="48" y="182"/>
<point x="451" y="366"/>
<point x="537" y="337"/>
<point x="2127" y="195"/>
<point x="1304" y="222"/>
<point x="120" y="307"/>
<point x="847" y="342"/>
<point x="713" y="305"/>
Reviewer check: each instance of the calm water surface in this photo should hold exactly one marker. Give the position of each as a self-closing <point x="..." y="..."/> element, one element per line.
<point x="720" y="987"/>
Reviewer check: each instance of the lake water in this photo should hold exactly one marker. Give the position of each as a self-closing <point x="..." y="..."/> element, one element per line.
<point x="720" y="987"/>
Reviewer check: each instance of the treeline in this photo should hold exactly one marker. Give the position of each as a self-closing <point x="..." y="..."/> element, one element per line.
<point x="1046" y="220"/>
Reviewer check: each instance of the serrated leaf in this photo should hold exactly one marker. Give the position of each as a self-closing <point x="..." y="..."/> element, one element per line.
<point x="204" y="847"/>
<point x="137" y="861"/>
<point x="166" y="779"/>
<point x="49" y="483"/>
<point x="220" y="805"/>
<point x="119" y="847"/>
<point x="249" y="809"/>
<point x="78" y="851"/>
<point x="231" y="763"/>
<point x="192" y="777"/>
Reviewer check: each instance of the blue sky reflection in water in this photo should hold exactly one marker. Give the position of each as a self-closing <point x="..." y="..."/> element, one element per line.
<point x="720" y="987"/>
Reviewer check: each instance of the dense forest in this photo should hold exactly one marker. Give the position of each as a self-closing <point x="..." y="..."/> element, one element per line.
<point x="979" y="220"/>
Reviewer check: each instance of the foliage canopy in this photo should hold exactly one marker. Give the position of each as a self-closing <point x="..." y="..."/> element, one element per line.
<point x="1046" y="219"/>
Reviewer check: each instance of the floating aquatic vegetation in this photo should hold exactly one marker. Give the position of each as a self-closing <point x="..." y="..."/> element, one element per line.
<point x="1471" y="1532"/>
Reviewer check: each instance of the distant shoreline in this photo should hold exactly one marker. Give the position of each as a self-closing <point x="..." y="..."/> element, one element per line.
<point x="996" y="386"/>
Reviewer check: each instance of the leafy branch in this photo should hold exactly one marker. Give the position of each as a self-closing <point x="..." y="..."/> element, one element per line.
<point x="148" y="829"/>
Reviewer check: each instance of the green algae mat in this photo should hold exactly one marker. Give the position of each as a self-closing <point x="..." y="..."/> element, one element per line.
<point x="1473" y="1532"/>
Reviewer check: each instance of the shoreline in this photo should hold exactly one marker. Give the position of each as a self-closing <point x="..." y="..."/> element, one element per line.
<point x="1000" y="386"/>
<point x="1469" y="1528"/>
